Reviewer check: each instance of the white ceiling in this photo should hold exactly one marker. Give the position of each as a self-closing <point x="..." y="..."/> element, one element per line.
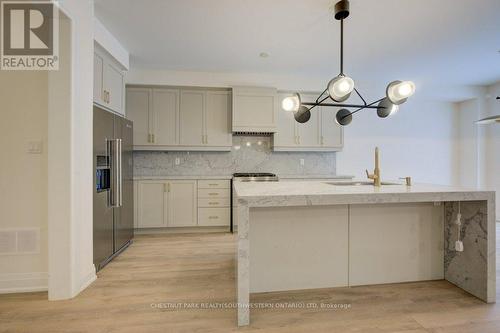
<point x="453" y="42"/>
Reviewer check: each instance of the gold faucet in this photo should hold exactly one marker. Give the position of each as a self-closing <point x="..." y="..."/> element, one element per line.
<point x="376" y="172"/>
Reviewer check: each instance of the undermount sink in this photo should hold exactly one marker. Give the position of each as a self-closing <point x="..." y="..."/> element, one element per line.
<point x="358" y="183"/>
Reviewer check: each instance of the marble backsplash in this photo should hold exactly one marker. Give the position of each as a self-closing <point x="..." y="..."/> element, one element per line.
<point x="248" y="154"/>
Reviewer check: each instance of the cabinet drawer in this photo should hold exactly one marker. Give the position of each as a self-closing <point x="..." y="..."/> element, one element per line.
<point x="215" y="202"/>
<point x="214" y="183"/>
<point x="213" y="216"/>
<point x="213" y="193"/>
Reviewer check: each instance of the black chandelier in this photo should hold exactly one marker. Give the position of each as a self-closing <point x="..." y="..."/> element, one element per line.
<point x="340" y="88"/>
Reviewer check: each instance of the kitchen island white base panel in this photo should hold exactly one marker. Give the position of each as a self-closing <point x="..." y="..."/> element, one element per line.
<point x="298" y="248"/>
<point x="390" y="243"/>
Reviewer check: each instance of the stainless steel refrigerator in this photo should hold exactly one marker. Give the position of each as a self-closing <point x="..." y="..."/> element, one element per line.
<point x="113" y="186"/>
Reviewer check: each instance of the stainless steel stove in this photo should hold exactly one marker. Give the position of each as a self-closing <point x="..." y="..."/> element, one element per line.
<point x="250" y="177"/>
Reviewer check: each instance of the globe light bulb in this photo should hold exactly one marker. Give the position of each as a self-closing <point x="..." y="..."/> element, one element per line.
<point x="291" y="103"/>
<point x="340" y="88"/>
<point x="405" y="90"/>
<point x="398" y="91"/>
<point x="343" y="87"/>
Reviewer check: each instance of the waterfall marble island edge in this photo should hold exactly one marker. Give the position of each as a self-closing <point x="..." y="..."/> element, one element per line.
<point x="308" y="235"/>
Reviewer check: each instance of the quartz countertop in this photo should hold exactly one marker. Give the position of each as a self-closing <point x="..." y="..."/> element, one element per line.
<point x="179" y="177"/>
<point x="306" y="193"/>
<point x="315" y="177"/>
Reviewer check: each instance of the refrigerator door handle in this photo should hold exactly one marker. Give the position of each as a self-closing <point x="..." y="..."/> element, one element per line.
<point x="111" y="154"/>
<point x="120" y="175"/>
<point x="115" y="173"/>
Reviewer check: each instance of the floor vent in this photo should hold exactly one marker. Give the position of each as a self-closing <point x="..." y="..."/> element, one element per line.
<point x="19" y="241"/>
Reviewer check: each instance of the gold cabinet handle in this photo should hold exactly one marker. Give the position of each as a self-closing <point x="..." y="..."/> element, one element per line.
<point x="213" y="217"/>
<point x="322" y="140"/>
<point x="212" y="203"/>
<point x="164" y="188"/>
<point x="153" y="138"/>
<point x="169" y="187"/>
<point x="213" y="193"/>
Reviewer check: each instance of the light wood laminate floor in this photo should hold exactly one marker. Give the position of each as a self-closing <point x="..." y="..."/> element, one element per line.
<point x="133" y="293"/>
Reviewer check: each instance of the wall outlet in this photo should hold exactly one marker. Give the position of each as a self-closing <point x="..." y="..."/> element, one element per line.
<point x="302" y="162"/>
<point x="34" y="147"/>
<point x="177" y="161"/>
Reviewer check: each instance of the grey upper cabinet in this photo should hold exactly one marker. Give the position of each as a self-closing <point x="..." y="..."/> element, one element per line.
<point x="309" y="133"/>
<point x="254" y="109"/>
<point x="172" y="118"/>
<point x="165" y="113"/>
<point x="217" y="119"/>
<point x="191" y="125"/>
<point x="320" y="133"/>
<point x="286" y="133"/>
<point x="332" y="134"/>
<point x="109" y="82"/>
<point x="98" y="79"/>
<point x="138" y="103"/>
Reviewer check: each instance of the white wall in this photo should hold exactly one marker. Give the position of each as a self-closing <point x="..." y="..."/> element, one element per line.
<point x="53" y="190"/>
<point x="219" y="79"/>
<point x="467" y="141"/>
<point x="71" y="266"/>
<point x="479" y="145"/>
<point x="108" y="42"/>
<point x="23" y="176"/>
<point x="417" y="142"/>
<point x="489" y="141"/>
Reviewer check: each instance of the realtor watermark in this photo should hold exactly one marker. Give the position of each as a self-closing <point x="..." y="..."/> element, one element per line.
<point x="29" y="35"/>
<point x="261" y="305"/>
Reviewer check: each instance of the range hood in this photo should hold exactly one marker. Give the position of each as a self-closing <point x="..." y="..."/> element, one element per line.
<point x="489" y="120"/>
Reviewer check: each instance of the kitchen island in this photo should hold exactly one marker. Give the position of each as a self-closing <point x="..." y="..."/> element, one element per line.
<point x="306" y="235"/>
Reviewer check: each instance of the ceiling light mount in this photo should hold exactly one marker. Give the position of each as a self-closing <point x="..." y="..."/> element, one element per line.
<point x="340" y="88"/>
<point x="341" y="10"/>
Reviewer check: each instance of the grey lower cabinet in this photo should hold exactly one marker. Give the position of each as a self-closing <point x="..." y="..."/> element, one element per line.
<point x="169" y="203"/>
<point x="164" y="203"/>
<point x="213" y="203"/>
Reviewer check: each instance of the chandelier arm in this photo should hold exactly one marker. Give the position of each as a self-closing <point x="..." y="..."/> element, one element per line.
<point x="357" y="92"/>
<point x="368" y="106"/>
<point x="316" y="103"/>
<point x="317" y="99"/>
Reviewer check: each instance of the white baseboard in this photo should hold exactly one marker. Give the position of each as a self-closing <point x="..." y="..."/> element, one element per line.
<point x="23" y="282"/>
<point x="180" y="230"/>
<point x="87" y="280"/>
